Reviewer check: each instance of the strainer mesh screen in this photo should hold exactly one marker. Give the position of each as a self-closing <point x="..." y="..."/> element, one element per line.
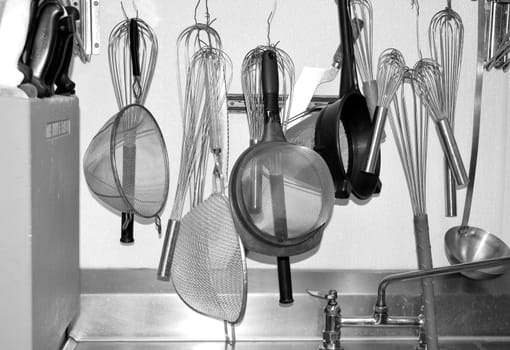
<point x="298" y="181"/>
<point x="208" y="268"/>
<point x="126" y="164"/>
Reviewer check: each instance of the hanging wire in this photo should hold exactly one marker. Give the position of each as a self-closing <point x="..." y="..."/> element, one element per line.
<point x="416" y="5"/>
<point x="124" y="9"/>
<point x="269" y="21"/>
<point x="449" y="4"/>
<point x="208" y="21"/>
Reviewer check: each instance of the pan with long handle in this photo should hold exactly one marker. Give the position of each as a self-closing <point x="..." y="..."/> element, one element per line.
<point x="343" y="129"/>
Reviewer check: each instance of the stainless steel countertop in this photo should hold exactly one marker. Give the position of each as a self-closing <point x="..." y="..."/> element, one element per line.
<point x="130" y="309"/>
<point x="347" y="345"/>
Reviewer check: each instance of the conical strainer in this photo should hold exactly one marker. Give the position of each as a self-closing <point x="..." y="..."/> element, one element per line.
<point x="126" y="163"/>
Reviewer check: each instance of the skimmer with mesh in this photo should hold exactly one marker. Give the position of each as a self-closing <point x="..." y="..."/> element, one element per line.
<point x="208" y="264"/>
<point x="126" y="163"/>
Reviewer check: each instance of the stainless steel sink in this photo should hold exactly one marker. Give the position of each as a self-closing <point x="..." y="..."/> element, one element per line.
<point x="132" y="310"/>
<point x="394" y="344"/>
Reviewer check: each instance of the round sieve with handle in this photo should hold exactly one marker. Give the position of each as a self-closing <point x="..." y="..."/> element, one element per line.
<point x="296" y="191"/>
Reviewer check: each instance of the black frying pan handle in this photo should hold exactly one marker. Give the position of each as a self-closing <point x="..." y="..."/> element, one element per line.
<point x="285" y="280"/>
<point x="270" y="81"/>
<point x="134" y="45"/>
<point x="348" y="79"/>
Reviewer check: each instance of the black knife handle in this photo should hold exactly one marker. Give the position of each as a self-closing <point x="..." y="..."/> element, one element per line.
<point x="63" y="38"/>
<point x="24" y="59"/>
<point x="44" y="44"/>
<point x="65" y="86"/>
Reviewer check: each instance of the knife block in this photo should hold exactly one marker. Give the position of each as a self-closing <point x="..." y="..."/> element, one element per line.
<point x="39" y="210"/>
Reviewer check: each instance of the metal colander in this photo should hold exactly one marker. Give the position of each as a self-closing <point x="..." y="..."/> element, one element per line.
<point x="126" y="163"/>
<point x="209" y="268"/>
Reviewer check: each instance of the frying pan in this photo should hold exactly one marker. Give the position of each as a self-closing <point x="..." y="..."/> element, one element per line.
<point x="343" y="129"/>
<point x="296" y="190"/>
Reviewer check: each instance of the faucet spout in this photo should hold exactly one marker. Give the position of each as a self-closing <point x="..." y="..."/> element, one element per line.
<point x="435" y="272"/>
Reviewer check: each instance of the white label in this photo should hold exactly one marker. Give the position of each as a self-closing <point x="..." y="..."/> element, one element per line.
<point x="58" y="128"/>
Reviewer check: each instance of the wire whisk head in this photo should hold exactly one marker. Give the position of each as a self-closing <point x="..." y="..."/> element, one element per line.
<point x="390" y="72"/>
<point x="251" y="79"/>
<point x="362" y="11"/>
<point x="429" y="79"/>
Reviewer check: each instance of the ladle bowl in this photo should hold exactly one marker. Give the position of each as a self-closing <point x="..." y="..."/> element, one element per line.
<point x="465" y="244"/>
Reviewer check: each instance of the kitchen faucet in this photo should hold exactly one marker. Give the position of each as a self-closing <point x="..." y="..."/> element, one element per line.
<point x="334" y="320"/>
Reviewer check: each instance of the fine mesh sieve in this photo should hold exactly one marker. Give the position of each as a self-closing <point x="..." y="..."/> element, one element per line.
<point x="296" y="189"/>
<point x="126" y="163"/>
<point x="208" y="267"/>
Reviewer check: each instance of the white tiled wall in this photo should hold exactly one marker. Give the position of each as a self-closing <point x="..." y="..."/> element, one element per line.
<point x="374" y="235"/>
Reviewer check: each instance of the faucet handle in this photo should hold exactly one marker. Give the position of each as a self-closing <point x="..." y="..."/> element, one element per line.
<point x="330" y="295"/>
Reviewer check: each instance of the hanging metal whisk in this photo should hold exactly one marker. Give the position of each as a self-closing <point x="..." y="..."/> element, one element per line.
<point x="446" y="39"/>
<point x="409" y="125"/>
<point x="201" y="39"/>
<point x="251" y="80"/>
<point x="129" y="85"/>
<point x="132" y="55"/>
<point x="429" y="78"/>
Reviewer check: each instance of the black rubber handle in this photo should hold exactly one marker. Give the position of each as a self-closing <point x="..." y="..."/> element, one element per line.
<point x="277" y="186"/>
<point x="270" y="81"/>
<point x="348" y="78"/>
<point x="134" y="46"/>
<point x="63" y="38"/>
<point x="44" y="43"/>
<point x="126" y="231"/>
<point x="285" y="280"/>
<point x="65" y="86"/>
<point x="24" y="59"/>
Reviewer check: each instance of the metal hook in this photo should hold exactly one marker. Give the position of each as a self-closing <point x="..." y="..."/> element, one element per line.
<point x="269" y="20"/>
<point x="130" y="217"/>
<point x="135" y="8"/>
<point x="123" y="10"/>
<point x="415" y="4"/>
<point x="157" y="222"/>
<point x="196" y="9"/>
<point x="207" y="15"/>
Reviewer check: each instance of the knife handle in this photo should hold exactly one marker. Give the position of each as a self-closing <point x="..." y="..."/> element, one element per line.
<point x="65" y="86"/>
<point x="14" y="22"/>
<point x="44" y="44"/>
<point x="63" y="37"/>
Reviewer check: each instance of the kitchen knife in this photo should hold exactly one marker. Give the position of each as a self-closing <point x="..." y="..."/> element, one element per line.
<point x="43" y="48"/>
<point x="65" y="86"/>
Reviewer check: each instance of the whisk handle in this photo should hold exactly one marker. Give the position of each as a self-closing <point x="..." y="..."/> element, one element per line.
<point x="134" y="46"/>
<point x="375" y="139"/>
<point x="451" y="151"/>
<point x="270" y="81"/>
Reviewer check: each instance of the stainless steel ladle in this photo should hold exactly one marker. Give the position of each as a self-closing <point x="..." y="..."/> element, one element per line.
<point x="465" y="243"/>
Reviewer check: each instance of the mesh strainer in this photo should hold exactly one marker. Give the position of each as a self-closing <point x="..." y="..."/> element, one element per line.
<point x="126" y="163"/>
<point x="296" y="191"/>
<point x="208" y="268"/>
